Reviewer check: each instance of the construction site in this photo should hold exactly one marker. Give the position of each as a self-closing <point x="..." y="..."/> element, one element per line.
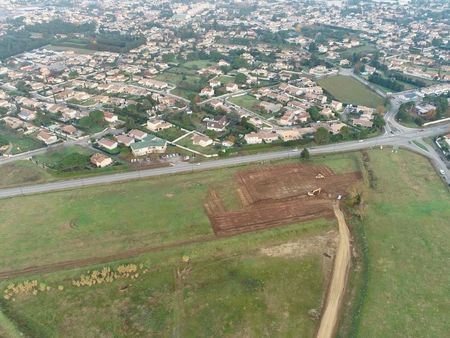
<point x="278" y="195"/>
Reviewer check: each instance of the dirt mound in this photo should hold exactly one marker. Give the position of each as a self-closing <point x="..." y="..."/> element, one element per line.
<point x="278" y="195"/>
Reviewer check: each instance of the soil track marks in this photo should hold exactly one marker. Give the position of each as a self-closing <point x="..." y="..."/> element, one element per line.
<point x="278" y="195"/>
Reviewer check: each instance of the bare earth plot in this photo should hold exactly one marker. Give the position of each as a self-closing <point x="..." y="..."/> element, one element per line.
<point x="277" y="195"/>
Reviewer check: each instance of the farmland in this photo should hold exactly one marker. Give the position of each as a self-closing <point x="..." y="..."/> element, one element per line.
<point x="406" y="228"/>
<point x="349" y="90"/>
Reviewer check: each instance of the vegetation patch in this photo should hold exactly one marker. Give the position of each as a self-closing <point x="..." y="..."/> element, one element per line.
<point x="349" y="90"/>
<point x="405" y="225"/>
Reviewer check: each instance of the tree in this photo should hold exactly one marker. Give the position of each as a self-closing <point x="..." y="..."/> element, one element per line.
<point x="314" y="113"/>
<point x="240" y="78"/>
<point x="312" y="47"/>
<point x="378" y="121"/>
<point x="73" y="74"/>
<point x="322" y="136"/>
<point x="23" y="87"/>
<point x="304" y="154"/>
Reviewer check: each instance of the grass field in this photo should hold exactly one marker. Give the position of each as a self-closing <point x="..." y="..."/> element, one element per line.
<point x="102" y="220"/>
<point x="348" y="90"/>
<point x="229" y="287"/>
<point x="246" y="101"/>
<point x="22" y="172"/>
<point x="406" y="228"/>
<point x="225" y="79"/>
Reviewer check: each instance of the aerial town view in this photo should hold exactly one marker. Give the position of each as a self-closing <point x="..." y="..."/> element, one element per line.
<point x="224" y="168"/>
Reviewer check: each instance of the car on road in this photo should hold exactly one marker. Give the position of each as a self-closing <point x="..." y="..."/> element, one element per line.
<point x="442" y="172"/>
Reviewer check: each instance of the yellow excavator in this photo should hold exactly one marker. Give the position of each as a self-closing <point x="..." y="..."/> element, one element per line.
<point x="314" y="192"/>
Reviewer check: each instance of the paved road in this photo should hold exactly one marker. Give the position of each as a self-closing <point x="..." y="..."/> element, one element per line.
<point x="402" y="140"/>
<point x="338" y="282"/>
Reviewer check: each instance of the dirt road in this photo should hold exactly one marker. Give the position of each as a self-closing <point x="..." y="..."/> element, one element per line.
<point x="338" y="280"/>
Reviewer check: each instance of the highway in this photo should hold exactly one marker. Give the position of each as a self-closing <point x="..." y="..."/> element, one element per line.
<point x="403" y="139"/>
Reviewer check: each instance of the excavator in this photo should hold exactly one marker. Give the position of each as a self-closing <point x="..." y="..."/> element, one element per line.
<point x="314" y="192"/>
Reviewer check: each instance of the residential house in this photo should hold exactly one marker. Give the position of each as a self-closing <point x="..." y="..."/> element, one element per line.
<point x="214" y="83"/>
<point x="201" y="140"/>
<point x="207" y="92"/>
<point x="110" y="117"/>
<point x="270" y="107"/>
<point x="156" y="124"/>
<point x="137" y="134"/>
<point x="101" y="160"/>
<point x="125" y="140"/>
<point x="231" y="87"/>
<point x="218" y="124"/>
<point x="27" y="115"/>
<point x="107" y="144"/>
<point x="69" y="129"/>
<point x="47" y="137"/>
<point x="149" y="145"/>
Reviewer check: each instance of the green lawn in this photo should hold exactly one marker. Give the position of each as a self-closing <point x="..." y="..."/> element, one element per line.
<point x="170" y="134"/>
<point x="406" y="228"/>
<point x="348" y="90"/>
<point x="246" y="101"/>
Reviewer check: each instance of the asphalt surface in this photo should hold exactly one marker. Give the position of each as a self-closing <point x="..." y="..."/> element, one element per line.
<point x="402" y="140"/>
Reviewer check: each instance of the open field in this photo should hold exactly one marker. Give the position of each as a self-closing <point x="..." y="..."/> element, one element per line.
<point x="406" y="230"/>
<point x="103" y="220"/>
<point x="22" y="172"/>
<point x="256" y="284"/>
<point x="348" y="90"/>
<point x="225" y="79"/>
<point x="253" y="284"/>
